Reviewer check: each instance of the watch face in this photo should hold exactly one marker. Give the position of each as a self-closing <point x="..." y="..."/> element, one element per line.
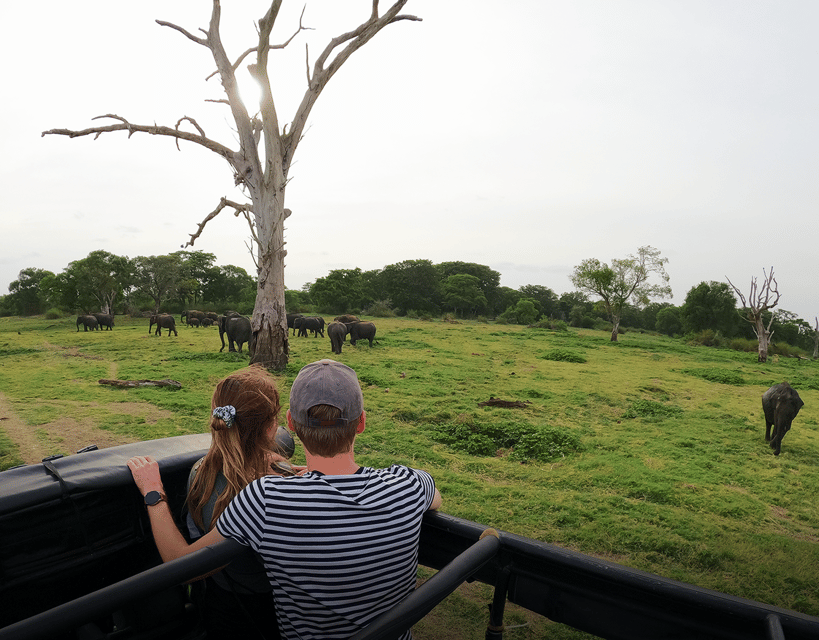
<point x="152" y="498"/>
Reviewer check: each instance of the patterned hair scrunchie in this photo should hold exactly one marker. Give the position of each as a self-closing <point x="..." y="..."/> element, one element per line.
<point x="226" y="413"/>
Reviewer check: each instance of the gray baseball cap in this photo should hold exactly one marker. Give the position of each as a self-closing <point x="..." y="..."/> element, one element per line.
<point x="326" y="382"/>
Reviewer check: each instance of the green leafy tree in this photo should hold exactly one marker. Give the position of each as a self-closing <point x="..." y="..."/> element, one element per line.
<point x="227" y="287"/>
<point x="412" y="284"/>
<point x="463" y="292"/>
<point x="504" y="298"/>
<point x="157" y="277"/>
<point x="668" y="321"/>
<point x="624" y="281"/>
<point x="488" y="279"/>
<point x="710" y="305"/>
<point x="100" y="279"/>
<point x="545" y="299"/>
<point x="340" y="291"/>
<point x="648" y="315"/>
<point x="524" y="312"/>
<point x="25" y="298"/>
<point x="196" y="270"/>
<point x="570" y="301"/>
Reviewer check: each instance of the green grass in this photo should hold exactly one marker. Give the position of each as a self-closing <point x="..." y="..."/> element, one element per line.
<point x="648" y="452"/>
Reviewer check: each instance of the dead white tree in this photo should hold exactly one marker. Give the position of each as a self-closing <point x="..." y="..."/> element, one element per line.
<point x="759" y="301"/>
<point x="262" y="175"/>
<point x="816" y="338"/>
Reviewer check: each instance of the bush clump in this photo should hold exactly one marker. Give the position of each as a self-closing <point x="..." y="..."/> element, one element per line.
<point x="553" y="325"/>
<point x="526" y="442"/>
<point x="379" y="309"/>
<point x="651" y="409"/>
<point x="562" y="355"/>
<point x="53" y="314"/>
<point x="723" y="376"/>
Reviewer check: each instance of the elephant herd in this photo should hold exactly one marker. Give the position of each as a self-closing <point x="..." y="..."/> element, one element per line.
<point x="337" y="330"/>
<point x="95" y="322"/>
<point x="237" y="328"/>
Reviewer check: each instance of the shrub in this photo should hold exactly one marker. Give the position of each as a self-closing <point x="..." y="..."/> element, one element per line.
<point x="527" y="442"/>
<point x="548" y="323"/>
<point x="561" y="355"/>
<point x="546" y="443"/>
<point x="744" y="344"/>
<point x="379" y="309"/>
<point x="53" y="314"/>
<point x="723" y="376"/>
<point x="651" y="409"/>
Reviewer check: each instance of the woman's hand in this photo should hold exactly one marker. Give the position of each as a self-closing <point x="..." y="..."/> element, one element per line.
<point x="145" y="471"/>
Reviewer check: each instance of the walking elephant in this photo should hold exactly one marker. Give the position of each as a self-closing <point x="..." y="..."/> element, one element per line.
<point x="337" y="331"/>
<point x="104" y="320"/>
<point x="291" y="321"/>
<point x="238" y="331"/>
<point x="361" y="331"/>
<point x="88" y="322"/>
<point x="311" y="323"/>
<point x="162" y="321"/>
<point x="780" y="404"/>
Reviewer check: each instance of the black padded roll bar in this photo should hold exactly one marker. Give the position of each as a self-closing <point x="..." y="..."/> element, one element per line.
<point x="99" y="603"/>
<point x="423" y="600"/>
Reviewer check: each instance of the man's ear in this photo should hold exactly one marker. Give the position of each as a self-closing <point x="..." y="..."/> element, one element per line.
<point x="361" y="422"/>
<point x="290" y="421"/>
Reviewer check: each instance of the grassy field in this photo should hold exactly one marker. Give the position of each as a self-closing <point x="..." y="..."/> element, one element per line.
<point x="646" y="452"/>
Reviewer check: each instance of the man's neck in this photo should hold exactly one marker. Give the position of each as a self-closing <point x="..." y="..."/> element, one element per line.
<point x="341" y="465"/>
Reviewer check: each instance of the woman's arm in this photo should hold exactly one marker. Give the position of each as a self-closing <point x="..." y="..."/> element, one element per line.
<point x="167" y="537"/>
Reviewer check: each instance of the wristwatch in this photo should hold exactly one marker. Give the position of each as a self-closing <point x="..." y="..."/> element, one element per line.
<point x="153" y="498"/>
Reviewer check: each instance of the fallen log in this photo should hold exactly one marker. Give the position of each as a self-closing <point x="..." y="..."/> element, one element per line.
<point x="509" y="404"/>
<point x="142" y="383"/>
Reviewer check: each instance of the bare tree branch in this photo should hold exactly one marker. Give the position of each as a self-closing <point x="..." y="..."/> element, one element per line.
<point x="187" y="34"/>
<point x="245" y="209"/>
<point x="154" y="129"/>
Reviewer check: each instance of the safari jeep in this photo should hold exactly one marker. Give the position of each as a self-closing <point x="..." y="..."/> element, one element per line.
<point x="77" y="562"/>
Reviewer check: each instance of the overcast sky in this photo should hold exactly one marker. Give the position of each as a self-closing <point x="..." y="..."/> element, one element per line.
<point x="526" y="135"/>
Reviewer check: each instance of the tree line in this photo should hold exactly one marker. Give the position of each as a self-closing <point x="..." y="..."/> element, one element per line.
<point x="107" y="283"/>
<point x="417" y="288"/>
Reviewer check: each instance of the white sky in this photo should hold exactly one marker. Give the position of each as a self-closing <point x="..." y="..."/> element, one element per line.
<point x="526" y="136"/>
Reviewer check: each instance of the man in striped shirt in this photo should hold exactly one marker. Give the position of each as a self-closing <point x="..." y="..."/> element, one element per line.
<point x="339" y="543"/>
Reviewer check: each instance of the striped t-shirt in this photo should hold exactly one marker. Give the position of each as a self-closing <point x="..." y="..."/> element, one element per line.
<point x="339" y="550"/>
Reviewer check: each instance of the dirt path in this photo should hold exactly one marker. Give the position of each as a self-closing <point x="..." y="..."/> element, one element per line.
<point x="64" y="435"/>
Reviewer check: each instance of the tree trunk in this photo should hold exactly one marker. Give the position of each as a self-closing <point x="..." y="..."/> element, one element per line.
<point x="269" y="345"/>
<point x="764" y="337"/>
<point x="615" y="327"/>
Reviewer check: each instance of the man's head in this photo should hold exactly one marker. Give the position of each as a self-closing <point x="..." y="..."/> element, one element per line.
<point x="326" y="407"/>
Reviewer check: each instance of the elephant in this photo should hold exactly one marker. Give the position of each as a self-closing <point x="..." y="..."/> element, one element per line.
<point x="780" y="405"/>
<point x="311" y="323"/>
<point x="212" y="316"/>
<point x="238" y="330"/>
<point x="104" y="320"/>
<point x="194" y="322"/>
<point x="291" y="319"/>
<point x="361" y="331"/>
<point x="88" y="322"/>
<point x="337" y="332"/>
<point x="162" y="321"/>
<point x="347" y="318"/>
<point x="191" y="314"/>
<point x="208" y="321"/>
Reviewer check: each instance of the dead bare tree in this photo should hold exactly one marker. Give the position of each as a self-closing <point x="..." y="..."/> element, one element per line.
<point x="759" y="301"/>
<point x="262" y="177"/>
<point x="816" y="338"/>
